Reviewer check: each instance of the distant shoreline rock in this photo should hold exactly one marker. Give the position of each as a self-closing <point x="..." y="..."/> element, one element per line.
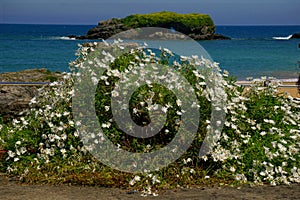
<point x="196" y="26"/>
<point x="296" y="36"/>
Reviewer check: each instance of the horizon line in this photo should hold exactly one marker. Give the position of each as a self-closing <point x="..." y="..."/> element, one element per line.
<point x="86" y="24"/>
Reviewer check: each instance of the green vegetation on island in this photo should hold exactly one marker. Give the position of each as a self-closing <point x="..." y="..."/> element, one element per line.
<point x="166" y="19"/>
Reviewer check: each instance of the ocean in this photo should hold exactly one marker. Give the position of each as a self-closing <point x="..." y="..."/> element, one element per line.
<point x="253" y="51"/>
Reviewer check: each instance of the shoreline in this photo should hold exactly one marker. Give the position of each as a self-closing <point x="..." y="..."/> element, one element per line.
<point x="292" y="81"/>
<point x="243" y="80"/>
<point x="43" y="76"/>
<point x="286" y="87"/>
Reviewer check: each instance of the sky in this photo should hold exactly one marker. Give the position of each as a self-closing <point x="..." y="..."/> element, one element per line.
<point x="223" y="12"/>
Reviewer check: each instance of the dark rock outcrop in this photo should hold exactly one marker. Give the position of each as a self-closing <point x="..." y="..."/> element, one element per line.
<point x="220" y="37"/>
<point x="105" y="29"/>
<point x="183" y="23"/>
<point x="296" y="35"/>
<point x="15" y="98"/>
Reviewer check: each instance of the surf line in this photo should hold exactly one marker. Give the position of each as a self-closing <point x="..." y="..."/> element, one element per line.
<point x="283" y="38"/>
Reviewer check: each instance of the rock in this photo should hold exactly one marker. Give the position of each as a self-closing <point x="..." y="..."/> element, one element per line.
<point x="72" y="36"/>
<point x="296" y="35"/>
<point x="15" y="98"/>
<point x="220" y="37"/>
<point x="196" y="26"/>
<point x="105" y="29"/>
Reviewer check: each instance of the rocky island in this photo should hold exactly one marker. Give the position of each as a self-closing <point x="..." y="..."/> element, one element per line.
<point x="196" y="26"/>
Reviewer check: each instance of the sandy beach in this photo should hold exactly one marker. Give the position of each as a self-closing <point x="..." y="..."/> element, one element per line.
<point x="290" y="88"/>
<point x="287" y="88"/>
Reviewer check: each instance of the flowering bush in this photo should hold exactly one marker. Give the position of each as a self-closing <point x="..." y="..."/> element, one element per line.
<point x="259" y="142"/>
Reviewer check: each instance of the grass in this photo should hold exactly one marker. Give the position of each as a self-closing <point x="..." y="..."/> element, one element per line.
<point x="181" y="22"/>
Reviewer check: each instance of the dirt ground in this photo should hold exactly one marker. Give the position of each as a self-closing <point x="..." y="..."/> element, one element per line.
<point x="11" y="190"/>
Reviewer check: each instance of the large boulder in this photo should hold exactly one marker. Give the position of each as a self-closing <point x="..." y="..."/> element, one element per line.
<point x="196" y="26"/>
<point x="15" y="93"/>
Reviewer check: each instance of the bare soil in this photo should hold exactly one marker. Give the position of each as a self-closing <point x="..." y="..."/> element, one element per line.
<point x="12" y="190"/>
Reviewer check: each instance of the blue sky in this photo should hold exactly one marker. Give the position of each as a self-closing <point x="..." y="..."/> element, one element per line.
<point x="233" y="12"/>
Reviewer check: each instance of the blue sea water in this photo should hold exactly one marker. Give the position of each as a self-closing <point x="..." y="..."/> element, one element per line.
<point x="252" y="52"/>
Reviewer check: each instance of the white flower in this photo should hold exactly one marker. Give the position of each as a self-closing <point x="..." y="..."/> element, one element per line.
<point x="60" y="144"/>
<point x="95" y="80"/>
<point x="132" y="182"/>
<point x="155" y="179"/>
<point x="281" y="147"/>
<point x="233" y="126"/>
<point x="273" y="183"/>
<point x="269" y="121"/>
<point x="137" y="178"/>
<point x="106" y="108"/>
<point x="178" y="102"/>
<point x="227" y="124"/>
<point x="178" y="113"/>
<point x="71" y="123"/>
<point x="164" y="109"/>
<point x="106" y="125"/>
<point x="33" y="101"/>
<point x="11" y="154"/>
<point x="76" y="133"/>
<point x="47" y="151"/>
<point x="78" y="123"/>
<point x="205" y="158"/>
<point x="135" y="110"/>
<point x="15" y="121"/>
<point x="63" y="151"/>
<point x="232" y="169"/>
<point x="23" y="150"/>
<point x="240" y="177"/>
<point x="263" y="133"/>
<point x="114" y="93"/>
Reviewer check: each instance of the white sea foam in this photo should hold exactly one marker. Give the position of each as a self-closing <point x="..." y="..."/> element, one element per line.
<point x="290" y="80"/>
<point x="66" y="38"/>
<point x="60" y="38"/>
<point x="283" y="38"/>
